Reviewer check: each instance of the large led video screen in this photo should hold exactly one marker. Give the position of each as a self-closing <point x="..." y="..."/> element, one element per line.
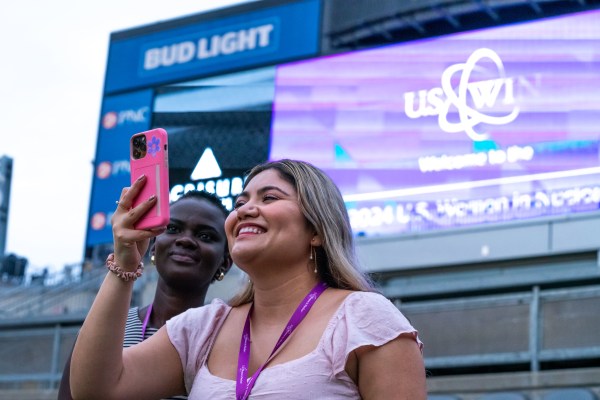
<point x="485" y="126"/>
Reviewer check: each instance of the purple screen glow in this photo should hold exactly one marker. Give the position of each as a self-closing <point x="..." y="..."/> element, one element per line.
<point x="484" y="126"/>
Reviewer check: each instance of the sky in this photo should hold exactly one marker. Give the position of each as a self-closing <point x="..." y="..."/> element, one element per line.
<point x="52" y="64"/>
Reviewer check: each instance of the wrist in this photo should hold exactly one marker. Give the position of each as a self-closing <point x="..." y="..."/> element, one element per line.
<point x="121" y="273"/>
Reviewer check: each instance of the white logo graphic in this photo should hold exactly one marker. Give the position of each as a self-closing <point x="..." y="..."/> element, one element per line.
<point x="104" y="170"/>
<point x="207" y="167"/>
<point x="482" y="94"/>
<point x="98" y="221"/>
<point x="109" y="120"/>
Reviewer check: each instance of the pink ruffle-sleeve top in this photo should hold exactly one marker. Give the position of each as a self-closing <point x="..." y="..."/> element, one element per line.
<point x="362" y="319"/>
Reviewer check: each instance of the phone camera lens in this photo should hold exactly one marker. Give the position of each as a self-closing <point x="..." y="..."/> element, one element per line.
<point x="139" y="147"/>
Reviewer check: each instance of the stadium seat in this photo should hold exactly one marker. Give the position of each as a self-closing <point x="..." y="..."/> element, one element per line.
<point x="504" y="396"/>
<point x="570" y="394"/>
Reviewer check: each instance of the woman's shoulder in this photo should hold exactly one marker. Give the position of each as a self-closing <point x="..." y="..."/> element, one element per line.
<point x="209" y="316"/>
<point x="370" y="310"/>
<point x="363" y="319"/>
<point x="215" y="307"/>
<point x="352" y="300"/>
<point x="368" y="301"/>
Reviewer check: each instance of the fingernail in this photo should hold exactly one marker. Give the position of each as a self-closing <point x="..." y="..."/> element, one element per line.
<point x="152" y="197"/>
<point x="141" y="177"/>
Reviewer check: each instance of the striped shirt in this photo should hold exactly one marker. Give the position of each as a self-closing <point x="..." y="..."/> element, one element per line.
<point x="133" y="335"/>
<point x="133" y="329"/>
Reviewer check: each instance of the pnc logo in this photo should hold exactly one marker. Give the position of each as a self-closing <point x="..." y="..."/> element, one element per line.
<point x="112" y="118"/>
<point x="103" y="170"/>
<point x="107" y="169"/>
<point x="470" y="98"/>
<point x="98" y="221"/>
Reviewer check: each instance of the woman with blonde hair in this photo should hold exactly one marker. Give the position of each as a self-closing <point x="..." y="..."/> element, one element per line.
<point x="308" y="324"/>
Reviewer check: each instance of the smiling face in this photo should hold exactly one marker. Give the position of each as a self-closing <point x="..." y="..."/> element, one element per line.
<point x="266" y="227"/>
<point x="192" y="249"/>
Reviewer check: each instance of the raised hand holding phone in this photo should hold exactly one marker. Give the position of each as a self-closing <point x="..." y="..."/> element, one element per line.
<point x="149" y="156"/>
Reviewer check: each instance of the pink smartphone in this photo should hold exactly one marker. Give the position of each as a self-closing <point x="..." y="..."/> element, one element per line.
<point x="149" y="156"/>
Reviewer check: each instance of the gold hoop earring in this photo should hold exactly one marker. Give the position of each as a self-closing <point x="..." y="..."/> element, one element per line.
<point x="153" y="259"/>
<point x="220" y="276"/>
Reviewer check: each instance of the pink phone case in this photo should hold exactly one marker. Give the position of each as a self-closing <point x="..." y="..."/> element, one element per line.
<point x="151" y="160"/>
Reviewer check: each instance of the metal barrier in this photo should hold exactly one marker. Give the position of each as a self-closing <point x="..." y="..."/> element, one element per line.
<point x="526" y="328"/>
<point x="535" y="327"/>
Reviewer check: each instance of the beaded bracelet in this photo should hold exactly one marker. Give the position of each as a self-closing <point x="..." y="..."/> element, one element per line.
<point x="125" y="275"/>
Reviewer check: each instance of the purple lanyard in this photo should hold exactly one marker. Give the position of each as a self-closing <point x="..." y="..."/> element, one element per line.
<point x="244" y="385"/>
<point x="146" y="319"/>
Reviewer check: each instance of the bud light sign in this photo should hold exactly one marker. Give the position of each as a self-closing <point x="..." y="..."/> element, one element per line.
<point x="197" y="49"/>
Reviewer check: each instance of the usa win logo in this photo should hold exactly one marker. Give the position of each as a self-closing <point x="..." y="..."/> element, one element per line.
<point x="476" y="102"/>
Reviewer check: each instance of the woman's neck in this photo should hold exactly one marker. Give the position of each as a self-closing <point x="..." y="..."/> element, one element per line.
<point x="169" y="303"/>
<point x="277" y="300"/>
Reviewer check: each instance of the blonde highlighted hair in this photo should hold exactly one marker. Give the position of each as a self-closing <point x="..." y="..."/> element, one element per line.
<point x="322" y="204"/>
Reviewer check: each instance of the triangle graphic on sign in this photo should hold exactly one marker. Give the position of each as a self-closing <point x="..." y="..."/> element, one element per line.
<point x="341" y="155"/>
<point x="343" y="159"/>
<point x="207" y="166"/>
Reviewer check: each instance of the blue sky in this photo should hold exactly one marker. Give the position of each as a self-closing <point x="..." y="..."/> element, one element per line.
<point x="51" y="76"/>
